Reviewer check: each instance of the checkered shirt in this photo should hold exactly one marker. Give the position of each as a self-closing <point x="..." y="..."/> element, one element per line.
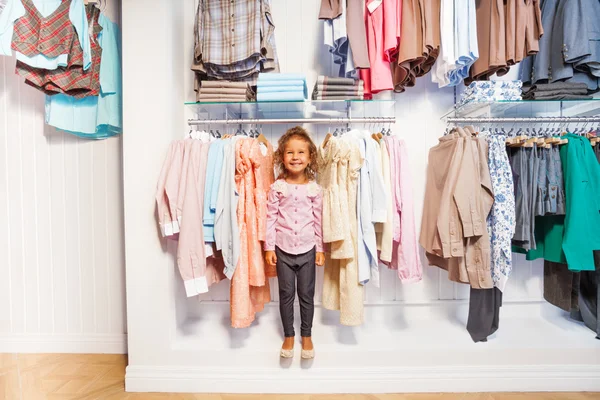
<point x="72" y="80"/>
<point x="234" y="39"/>
<point x="51" y="36"/>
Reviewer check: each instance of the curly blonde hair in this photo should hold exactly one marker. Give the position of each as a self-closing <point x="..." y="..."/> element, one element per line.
<point x="296" y="133"/>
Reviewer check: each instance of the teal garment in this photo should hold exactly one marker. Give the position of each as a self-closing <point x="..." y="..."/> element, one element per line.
<point x="582" y="196"/>
<point x="549" y="232"/>
<point x="214" y="165"/>
<point x="94" y="117"/>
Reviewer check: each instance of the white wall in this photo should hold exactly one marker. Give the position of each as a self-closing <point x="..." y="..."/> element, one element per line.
<point x="413" y="338"/>
<point x="61" y="243"/>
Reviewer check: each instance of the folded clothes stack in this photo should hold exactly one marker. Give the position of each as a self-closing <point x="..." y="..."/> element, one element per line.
<point x="489" y="91"/>
<point x="556" y="91"/>
<point x="327" y="88"/>
<point x="281" y="87"/>
<point x="224" y="91"/>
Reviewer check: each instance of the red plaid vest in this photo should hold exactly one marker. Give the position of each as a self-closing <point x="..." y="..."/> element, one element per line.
<point x="51" y="36"/>
<point x="71" y="80"/>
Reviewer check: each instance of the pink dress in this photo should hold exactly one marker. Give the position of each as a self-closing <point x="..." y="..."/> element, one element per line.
<point x="249" y="289"/>
<point x="261" y="157"/>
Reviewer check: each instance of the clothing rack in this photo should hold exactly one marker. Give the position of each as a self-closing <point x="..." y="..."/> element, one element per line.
<point x="489" y="120"/>
<point x="259" y="121"/>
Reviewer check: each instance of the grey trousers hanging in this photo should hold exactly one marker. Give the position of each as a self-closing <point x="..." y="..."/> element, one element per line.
<point x="484" y="313"/>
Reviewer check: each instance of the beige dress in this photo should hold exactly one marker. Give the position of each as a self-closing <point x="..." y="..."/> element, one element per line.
<point x="341" y="290"/>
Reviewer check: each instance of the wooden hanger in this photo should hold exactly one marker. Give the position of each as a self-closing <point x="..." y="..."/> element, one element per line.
<point x="262" y="139"/>
<point x="327" y="137"/>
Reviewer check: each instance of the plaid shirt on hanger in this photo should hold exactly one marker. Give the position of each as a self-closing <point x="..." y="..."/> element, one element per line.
<point x="51" y="36"/>
<point x="234" y="39"/>
<point x="72" y="80"/>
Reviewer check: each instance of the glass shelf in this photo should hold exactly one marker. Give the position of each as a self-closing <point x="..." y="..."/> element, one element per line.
<point x="527" y="108"/>
<point x="291" y="109"/>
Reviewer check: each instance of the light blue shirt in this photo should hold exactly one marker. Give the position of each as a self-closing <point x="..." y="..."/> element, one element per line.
<point x="14" y="10"/>
<point x="372" y="209"/>
<point x="214" y="168"/>
<point x="94" y="117"/>
<point x="227" y="232"/>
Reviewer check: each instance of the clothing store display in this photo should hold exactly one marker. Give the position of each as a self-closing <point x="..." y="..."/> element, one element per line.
<point x="556" y="91"/>
<point x="281" y="87"/>
<point x="362" y="208"/>
<point x="491" y="91"/>
<point x="327" y="88"/>
<point x="569" y="50"/>
<point x="234" y="40"/>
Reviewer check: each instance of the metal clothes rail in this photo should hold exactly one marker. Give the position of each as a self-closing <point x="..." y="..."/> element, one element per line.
<point x="491" y="120"/>
<point x="260" y="121"/>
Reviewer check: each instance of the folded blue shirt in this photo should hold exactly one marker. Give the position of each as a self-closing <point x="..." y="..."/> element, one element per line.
<point x="270" y="89"/>
<point x="281" y="96"/>
<point x="273" y="76"/>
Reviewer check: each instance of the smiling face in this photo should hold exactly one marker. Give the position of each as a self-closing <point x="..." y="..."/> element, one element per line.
<point x="296" y="156"/>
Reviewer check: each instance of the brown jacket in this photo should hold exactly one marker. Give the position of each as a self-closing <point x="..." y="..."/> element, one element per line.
<point x="459" y="199"/>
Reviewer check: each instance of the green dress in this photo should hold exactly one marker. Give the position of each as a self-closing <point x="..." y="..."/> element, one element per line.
<point x="582" y="197"/>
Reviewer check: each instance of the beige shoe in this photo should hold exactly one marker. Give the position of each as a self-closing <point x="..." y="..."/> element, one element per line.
<point x="307" y="354"/>
<point x="284" y="353"/>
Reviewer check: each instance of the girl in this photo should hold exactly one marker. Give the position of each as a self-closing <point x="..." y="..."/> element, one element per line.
<point x="294" y="241"/>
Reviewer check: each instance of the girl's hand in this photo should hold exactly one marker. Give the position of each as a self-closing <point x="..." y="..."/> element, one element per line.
<point x="320" y="259"/>
<point x="271" y="258"/>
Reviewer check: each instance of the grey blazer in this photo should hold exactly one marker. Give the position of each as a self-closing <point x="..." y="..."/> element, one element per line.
<point x="570" y="47"/>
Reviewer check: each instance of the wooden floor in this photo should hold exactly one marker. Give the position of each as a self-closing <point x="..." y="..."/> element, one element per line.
<point x="87" y="377"/>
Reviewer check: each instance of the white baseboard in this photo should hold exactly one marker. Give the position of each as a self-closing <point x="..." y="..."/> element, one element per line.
<point x="49" y="343"/>
<point x="501" y="378"/>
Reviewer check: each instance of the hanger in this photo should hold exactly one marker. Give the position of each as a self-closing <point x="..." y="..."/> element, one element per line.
<point x="262" y="139"/>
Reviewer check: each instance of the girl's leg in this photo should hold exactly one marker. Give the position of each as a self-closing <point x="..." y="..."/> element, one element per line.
<point x="287" y="291"/>
<point x="306" y="290"/>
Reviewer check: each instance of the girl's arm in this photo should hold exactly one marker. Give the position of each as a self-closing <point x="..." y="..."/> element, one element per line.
<point x="317" y="206"/>
<point x="272" y="211"/>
